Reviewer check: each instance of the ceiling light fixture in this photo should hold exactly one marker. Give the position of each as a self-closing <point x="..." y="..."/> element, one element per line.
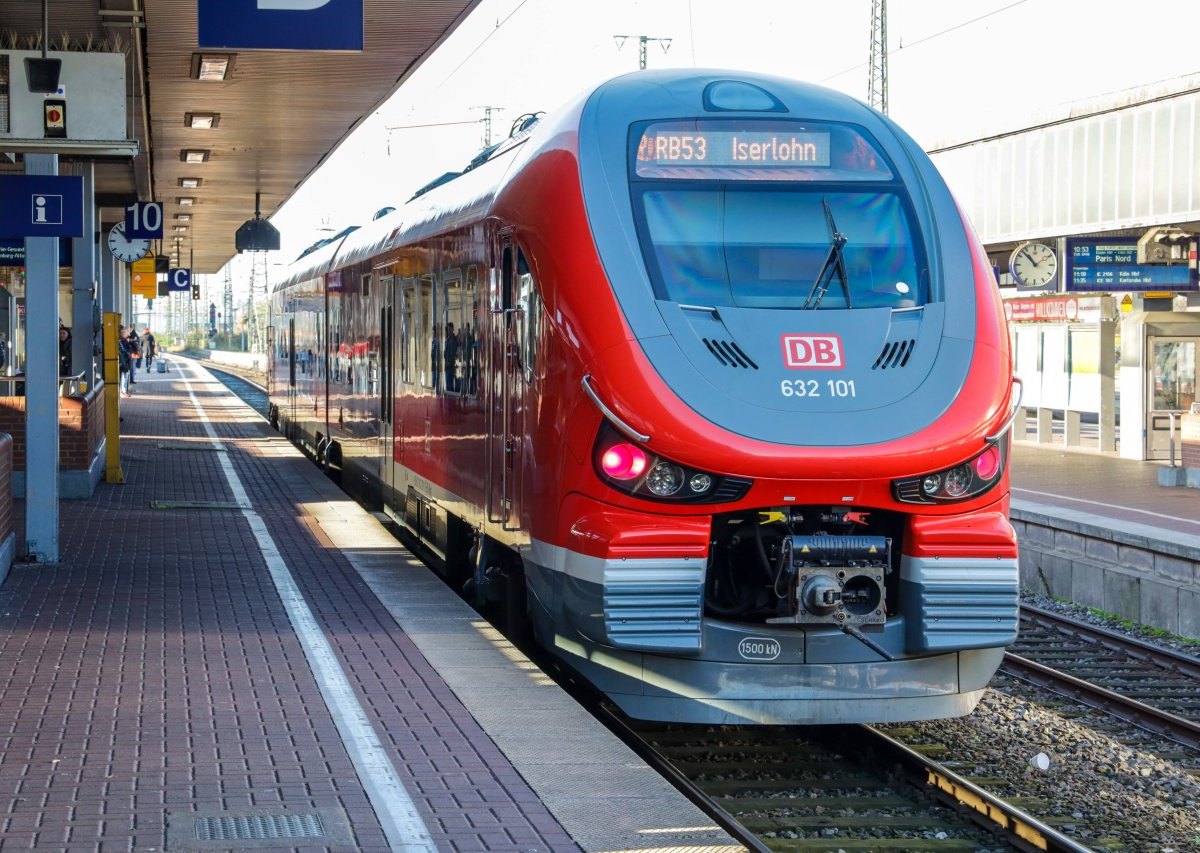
<point x="189" y="183"/>
<point x="194" y="155"/>
<point x="179" y="228"/>
<point x="212" y="66"/>
<point x="183" y="217"/>
<point x="201" y="121"/>
<point x="185" y="201"/>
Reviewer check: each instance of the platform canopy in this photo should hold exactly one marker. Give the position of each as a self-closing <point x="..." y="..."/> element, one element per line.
<point x="278" y="113"/>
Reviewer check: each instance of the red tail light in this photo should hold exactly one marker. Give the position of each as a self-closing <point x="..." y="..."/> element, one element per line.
<point x="624" y="462"/>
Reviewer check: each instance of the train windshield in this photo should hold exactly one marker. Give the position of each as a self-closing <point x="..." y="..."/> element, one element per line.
<point x="824" y="225"/>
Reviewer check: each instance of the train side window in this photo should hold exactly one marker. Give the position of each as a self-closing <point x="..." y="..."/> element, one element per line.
<point x="427" y="334"/>
<point x="470" y="338"/>
<point x="408" y="298"/>
<point x="506" y="268"/>
<point x="454" y="318"/>
<point x="529" y="302"/>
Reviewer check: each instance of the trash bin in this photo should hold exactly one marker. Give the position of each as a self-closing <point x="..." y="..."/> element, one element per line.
<point x="162" y="366"/>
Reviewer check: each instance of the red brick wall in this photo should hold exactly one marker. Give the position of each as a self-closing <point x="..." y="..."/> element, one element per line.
<point x="80" y="429"/>
<point x="6" y="523"/>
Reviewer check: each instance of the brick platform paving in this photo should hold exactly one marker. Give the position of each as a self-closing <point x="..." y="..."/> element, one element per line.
<point x="153" y="676"/>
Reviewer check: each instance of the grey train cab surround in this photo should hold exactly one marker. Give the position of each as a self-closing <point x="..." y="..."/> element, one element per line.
<point x="748" y="402"/>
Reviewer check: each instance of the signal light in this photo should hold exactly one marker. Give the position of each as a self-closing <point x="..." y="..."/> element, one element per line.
<point x="958" y="483"/>
<point x="195" y="291"/>
<point x="636" y="471"/>
<point x="623" y="462"/>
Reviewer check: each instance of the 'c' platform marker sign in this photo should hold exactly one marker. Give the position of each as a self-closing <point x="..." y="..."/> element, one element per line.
<point x="179" y="280"/>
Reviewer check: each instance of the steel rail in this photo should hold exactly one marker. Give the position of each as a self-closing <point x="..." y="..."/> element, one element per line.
<point x="1122" y="707"/>
<point x="661" y="765"/>
<point x="1114" y="640"/>
<point x="1020" y="829"/>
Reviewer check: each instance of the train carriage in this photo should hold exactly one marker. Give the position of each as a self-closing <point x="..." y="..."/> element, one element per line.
<point x="707" y="377"/>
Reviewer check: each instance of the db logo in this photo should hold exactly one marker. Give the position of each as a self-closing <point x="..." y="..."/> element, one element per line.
<point x="819" y="352"/>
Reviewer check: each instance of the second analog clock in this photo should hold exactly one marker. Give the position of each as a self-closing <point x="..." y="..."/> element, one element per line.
<point x="123" y="248"/>
<point x="1033" y="264"/>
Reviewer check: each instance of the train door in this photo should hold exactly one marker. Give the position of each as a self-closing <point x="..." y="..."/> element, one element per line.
<point x="271" y="353"/>
<point x="406" y="357"/>
<point x="1173" y="365"/>
<point x="503" y="387"/>
<point x="291" y="358"/>
<point x="386" y="392"/>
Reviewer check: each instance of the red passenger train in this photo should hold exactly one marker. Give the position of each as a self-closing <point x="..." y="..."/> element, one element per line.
<point x="707" y="378"/>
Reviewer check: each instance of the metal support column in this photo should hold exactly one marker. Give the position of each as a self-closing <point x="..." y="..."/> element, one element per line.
<point x="83" y="278"/>
<point x="41" y="384"/>
<point x="1108" y="387"/>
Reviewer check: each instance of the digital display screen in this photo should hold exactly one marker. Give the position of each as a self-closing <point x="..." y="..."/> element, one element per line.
<point x="756" y="150"/>
<point x="1111" y="264"/>
<point x="734" y="148"/>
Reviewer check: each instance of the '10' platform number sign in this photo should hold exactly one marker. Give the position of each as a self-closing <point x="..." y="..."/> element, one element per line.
<point x="144" y="220"/>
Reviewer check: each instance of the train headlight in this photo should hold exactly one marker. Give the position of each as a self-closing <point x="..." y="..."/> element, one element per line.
<point x="959" y="483"/>
<point x="664" y="479"/>
<point x="636" y="471"/>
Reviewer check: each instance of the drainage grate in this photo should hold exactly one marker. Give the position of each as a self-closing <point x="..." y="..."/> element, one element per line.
<point x="198" y="505"/>
<point x="213" y="831"/>
<point x="257" y="827"/>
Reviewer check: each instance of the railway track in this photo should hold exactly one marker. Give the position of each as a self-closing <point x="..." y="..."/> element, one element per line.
<point x="848" y="788"/>
<point x="1149" y="686"/>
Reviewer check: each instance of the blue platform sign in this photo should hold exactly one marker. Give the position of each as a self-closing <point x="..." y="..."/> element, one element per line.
<point x="179" y="280"/>
<point x="12" y="253"/>
<point x="1107" y="265"/>
<point x="41" y="206"/>
<point x="144" y="220"/>
<point x="281" y="24"/>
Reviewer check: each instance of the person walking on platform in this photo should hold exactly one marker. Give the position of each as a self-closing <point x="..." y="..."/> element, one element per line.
<point x="135" y="354"/>
<point x="149" y="348"/>
<point x="124" y="362"/>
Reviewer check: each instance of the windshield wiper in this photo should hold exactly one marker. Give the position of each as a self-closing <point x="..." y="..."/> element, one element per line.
<point x="834" y="263"/>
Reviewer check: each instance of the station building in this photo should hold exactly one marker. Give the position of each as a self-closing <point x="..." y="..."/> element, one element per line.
<point x="1090" y="216"/>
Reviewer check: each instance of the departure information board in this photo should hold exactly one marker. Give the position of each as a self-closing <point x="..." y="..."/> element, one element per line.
<point x="750" y="149"/>
<point x="1111" y="265"/>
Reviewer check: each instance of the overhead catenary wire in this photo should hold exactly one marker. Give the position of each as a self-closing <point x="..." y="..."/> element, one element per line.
<point x="929" y="37"/>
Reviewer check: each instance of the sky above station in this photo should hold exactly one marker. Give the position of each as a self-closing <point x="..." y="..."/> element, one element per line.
<point x="957" y="69"/>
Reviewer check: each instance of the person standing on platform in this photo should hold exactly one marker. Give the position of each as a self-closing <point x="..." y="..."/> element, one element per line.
<point x="64" y="350"/>
<point x="450" y="359"/>
<point x="135" y="354"/>
<point x="149" y="348"/>
<point x="124" y="362"/>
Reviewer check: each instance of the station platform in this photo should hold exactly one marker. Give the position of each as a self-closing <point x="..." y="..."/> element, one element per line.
<point x="233" y="655"/>
<point x="1080" y="484"/>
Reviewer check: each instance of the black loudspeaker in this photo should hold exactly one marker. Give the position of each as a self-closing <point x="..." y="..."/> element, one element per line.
<point x="43" y="74"/>
<point x="256" y="235"/>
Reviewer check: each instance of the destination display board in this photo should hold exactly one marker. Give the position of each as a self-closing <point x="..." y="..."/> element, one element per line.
<point x="1110" y="265"/>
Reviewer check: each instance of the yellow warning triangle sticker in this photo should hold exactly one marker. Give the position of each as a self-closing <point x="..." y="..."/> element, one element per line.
<point x="804" y="550"/>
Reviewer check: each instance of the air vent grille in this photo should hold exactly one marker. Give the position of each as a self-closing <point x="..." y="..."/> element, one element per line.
<point x="894" y="354"/>
<point x="729" y="489"/>
<point x="729" y="353"/>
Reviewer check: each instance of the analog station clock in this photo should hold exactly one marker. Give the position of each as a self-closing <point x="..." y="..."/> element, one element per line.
<point x="123" y="248"/>
<point x="1033" y="264"/>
